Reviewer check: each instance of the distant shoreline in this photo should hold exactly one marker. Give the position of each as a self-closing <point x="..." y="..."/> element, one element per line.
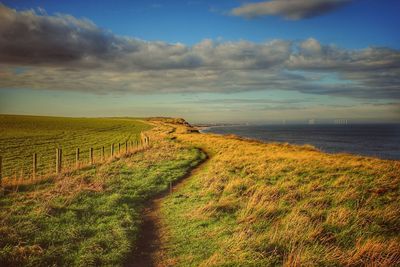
<point x="368" y="140"/>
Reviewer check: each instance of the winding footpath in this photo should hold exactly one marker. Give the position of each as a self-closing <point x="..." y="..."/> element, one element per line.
<point x="150" y="242"/>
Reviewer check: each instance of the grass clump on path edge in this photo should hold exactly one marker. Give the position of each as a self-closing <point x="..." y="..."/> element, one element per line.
<point x="90" y="217"/>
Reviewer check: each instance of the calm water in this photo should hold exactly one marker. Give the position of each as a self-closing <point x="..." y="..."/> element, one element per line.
<point x="381" y="140"/>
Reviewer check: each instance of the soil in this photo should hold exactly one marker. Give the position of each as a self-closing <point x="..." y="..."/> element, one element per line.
<point x="149" y="251"/>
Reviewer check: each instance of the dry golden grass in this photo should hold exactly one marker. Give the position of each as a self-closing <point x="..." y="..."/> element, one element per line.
<point x="292" y="205"/>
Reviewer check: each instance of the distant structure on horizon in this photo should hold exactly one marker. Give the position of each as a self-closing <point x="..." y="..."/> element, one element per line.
<point x="311" y="121"/>
<point x="341" y="121"/>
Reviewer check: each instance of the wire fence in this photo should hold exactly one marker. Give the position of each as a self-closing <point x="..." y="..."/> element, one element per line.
<point x="66" y="162"/>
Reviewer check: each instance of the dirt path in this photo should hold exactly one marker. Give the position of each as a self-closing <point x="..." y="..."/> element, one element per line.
<point x="149" y="251"/>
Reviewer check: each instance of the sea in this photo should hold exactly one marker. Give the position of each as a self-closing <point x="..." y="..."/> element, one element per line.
<point x="377" y="140"/>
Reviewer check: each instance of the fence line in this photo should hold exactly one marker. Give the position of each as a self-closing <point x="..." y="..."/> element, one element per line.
<point x="63" y="165"/>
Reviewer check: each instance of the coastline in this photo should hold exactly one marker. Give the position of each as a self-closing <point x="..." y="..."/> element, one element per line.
<point x="331" y="139"/>
<point x="267" y="195"/>
<point x="249" y="197"/>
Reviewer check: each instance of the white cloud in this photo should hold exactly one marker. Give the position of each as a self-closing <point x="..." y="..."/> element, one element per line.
<point x="65" y="53"/>
<point x="289" y="9"/>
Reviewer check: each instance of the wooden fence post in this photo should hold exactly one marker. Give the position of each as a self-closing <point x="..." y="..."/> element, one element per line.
<point x="1" y="168"/>
<point x="61" y="159"/>
<point x="58" y="160"/>
<point x="126" y="147"/>
<point x="91" y="156"/>
<point x="112" y="150"/>
<point x="77" y="158"/>
<point x="102" y="153"/>
<point x="119" y="148"/>
<point x="34" y="169"/>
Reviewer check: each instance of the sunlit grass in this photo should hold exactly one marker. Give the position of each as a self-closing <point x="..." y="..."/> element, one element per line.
<point x="88" y="217"/>
<point x="251" y="204"/>
<point x="260" y="204"/>
<point x="22" y="136"/>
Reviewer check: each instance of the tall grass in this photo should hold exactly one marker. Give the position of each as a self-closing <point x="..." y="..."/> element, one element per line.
<point x="259" y="204"/>
<point x="252" y="204"/>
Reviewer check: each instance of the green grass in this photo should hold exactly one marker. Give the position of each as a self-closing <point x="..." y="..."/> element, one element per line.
<point x="251" y="204"/>
<point x="89" y="217"/>
<point x="21" y="136"/>
<point x="194" y="238"/>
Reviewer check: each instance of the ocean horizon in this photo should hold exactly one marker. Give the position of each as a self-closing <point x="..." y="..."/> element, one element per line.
<point x="375" y="140"/>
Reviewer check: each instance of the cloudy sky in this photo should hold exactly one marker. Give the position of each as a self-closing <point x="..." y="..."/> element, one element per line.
<point x="206" y="61"/>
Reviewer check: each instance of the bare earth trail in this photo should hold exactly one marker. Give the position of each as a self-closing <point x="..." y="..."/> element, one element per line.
<point x="150" y="242"/>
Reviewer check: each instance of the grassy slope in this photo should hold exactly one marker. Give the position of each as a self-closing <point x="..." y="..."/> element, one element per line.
<point x="91" y="216"/>
<point x="21" y="136"/>
<point x="267" y="204"/>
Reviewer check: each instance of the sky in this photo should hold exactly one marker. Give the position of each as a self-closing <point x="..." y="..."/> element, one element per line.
<point x="206" y="61"/>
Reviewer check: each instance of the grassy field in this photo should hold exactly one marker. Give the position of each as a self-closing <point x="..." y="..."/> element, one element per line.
<point x="250" y="204"/>
<point x="21" y="136"/>
<point x="89" y="217"/>
<point x="258" y="204"/>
